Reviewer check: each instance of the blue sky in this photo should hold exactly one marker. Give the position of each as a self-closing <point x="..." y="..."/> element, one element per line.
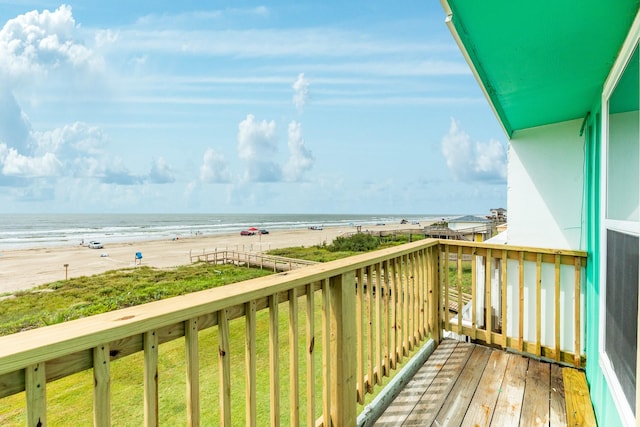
<point x="224" y="107"/>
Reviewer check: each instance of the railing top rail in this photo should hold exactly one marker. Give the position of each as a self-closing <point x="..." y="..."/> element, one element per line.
<point x="26" y="348"/>
<point x="512" y="248"/>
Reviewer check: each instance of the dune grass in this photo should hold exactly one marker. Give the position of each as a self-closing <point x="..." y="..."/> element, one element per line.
<point x="88" y="295"/>
<point x="324" y="253"/>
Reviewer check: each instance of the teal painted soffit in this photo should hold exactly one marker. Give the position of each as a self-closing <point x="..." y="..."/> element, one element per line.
<point x="541" y="62"/>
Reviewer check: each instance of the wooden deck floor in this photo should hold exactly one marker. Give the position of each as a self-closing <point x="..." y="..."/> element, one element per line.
<point x="471" y="385"/>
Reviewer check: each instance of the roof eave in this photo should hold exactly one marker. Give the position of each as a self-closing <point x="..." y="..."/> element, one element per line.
<point x="476" y="70"/>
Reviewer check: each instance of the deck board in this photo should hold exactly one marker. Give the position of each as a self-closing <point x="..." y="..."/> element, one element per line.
<point x="535" y="408"/>
<point x="579" y="409"/>
<point x="453" y="410"/>
<point x="484" y="400"/>
<point x="409" y="397"/>
<point x="509" y="406"/>
<point x="434" y="397"/>
<point x="557" y="405"/>
<point x="468" y="384"/>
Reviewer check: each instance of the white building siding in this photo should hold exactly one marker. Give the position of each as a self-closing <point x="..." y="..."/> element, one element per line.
<point x="545" y="186"/>
<point x="545" y="192"/>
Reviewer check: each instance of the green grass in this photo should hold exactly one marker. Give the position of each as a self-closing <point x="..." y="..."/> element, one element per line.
<point x="466" y="276"/>
<point x="323" y="254"/>
<point x="314" y="253"/>
<point x="70" y="399"/>
<point x="85" y="296"/>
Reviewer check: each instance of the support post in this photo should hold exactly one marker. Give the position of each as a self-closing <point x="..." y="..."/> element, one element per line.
<point x="343" y="350"/>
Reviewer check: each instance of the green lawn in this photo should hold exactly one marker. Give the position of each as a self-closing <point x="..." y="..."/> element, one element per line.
<point x="70" y="399"/>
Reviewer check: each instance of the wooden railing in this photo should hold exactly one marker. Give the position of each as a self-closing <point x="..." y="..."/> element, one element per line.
<point x="524" y="299"/>
<point x="349" y="323"/>
<point x="251" y="259"/>
<point x="358" y="317"/>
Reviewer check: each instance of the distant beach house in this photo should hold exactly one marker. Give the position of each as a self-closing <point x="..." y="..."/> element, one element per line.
<point x="467" y="221"/>
<point x="498" y="214"/>
<point x="563" y="79"/>
<point x="475" y="228"/>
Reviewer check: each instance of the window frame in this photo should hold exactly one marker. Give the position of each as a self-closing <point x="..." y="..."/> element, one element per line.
<point x="628" y="227"/>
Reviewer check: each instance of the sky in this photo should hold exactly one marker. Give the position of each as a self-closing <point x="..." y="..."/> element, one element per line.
<point x="359" y="107"/>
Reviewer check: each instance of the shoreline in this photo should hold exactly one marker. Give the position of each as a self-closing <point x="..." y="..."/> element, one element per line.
<point x="22" y="269"/>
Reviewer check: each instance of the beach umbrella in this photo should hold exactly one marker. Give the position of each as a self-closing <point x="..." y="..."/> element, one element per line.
<point x="253" y="229"/>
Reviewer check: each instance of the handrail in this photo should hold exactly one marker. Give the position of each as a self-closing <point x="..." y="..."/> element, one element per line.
<point x="361" y="284"/>
<point x="361" y="316"/>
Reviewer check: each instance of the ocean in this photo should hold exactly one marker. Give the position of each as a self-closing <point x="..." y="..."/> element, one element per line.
<point x="23" y="231"/>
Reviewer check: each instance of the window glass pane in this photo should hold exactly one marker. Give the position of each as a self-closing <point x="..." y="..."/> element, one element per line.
<point x="623" y="154"/>
<point x="622" y="309"/>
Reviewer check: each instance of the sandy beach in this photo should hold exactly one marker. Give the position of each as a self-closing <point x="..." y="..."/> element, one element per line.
<point x="26" y="268"/>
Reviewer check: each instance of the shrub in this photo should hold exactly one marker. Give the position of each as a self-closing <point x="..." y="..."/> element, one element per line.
<point x="359" y="242"/>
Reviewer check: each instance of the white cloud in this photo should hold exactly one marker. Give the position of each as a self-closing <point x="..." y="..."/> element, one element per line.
<point x="214" y="167"/>
<point x="161" y="172"/>
<point x="73" y="150"/>
<point x="301" y="92"/>
<point x="179" y="19"/>
<point x="257" y="144"/>
<point x="300" y="157"/>
<point x="116" y="172"/>
<point x="38" y="41"/>
<point x="14" y="123"/>
<point x="469" y="161"/>
<point x="80" y="147"/>
<point x="106" y="37"/>
<point x="261" y="43"/>
<point x="70" y="140"/>
<point x="16" y="164"/>
<point x="200" y="18"/>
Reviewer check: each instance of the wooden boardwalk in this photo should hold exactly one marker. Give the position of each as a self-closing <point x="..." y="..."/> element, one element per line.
<point x="472" y="385"/>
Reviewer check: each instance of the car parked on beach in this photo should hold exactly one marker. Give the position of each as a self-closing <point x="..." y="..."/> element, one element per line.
<point x="94" y="244"/>
<point x="247" y="233"/>
<point x="264" y="231"/>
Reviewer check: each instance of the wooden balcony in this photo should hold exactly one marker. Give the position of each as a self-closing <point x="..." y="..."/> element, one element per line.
<point x="348" y="325"/>
<point x="464" y="384"/>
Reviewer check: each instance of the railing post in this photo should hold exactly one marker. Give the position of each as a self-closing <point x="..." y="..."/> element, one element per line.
<point x="224" y="367"/>
<point x="192" y="372"/>
<point x="150" y="345"/>
<point x="274" y="361"/>
<point x="343" y="350"/>
<point x="294" y="372"/>
<point x="35" y="386"/>
<point x="434" y="293"/>
<point x="251" y="368"/>
<point x="101" y="386"/>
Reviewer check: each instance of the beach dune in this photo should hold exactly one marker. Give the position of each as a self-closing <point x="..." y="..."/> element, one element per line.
<point x="26" y="268"/>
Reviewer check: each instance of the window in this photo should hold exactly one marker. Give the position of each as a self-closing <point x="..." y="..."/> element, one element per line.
<point x="622" y="155"/>
<point x="622" y="309"/>
<point x="621" y="242"/>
